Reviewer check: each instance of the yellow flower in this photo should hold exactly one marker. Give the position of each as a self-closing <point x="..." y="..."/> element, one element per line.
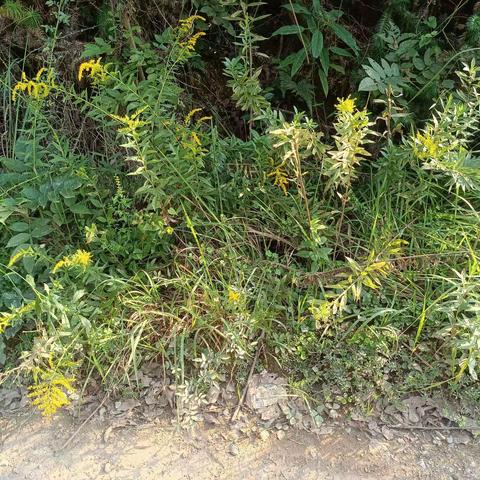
<point x="233" y="296"/>
<point x="169" y="230"/>
<point x="131" y="122"/>
<point x="49" y="392"/>
<point x="280" y="178"/>
<point x="7" y="318"/>
<point x="80" y="258"/>
<point x="345" y="105"/>
<point x="25" y="252"/>
<point x="191" y="113"/>
<point x="428" y="147"/>
<point x="192" y="41"/>
<point x="187" y="23"/>
<point x="185" y="27"/>
<point x="34" y="88"/>
<point x="93" y="69"/>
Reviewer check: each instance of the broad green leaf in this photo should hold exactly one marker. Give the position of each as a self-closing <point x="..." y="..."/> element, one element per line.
<point x="343" y="34"/>
<point x="289" y="30"/>
<point x="323" y="81"/>
<point x="18" y="239"/>
<point x="367" y="85"/>
<point x="300" y="57"/>
<point x="317" y="44"/>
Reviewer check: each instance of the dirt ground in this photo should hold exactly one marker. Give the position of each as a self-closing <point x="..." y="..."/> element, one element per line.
<point x="35" y="449"/>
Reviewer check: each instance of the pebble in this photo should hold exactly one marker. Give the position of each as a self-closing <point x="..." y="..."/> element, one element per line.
<point x="280" y="434"/>
<point x="233" y="450"/>
<point x="108" y="467"/>
<point x="264" y="435"/>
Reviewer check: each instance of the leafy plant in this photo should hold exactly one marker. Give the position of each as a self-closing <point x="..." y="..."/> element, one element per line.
<point x="320" y="33"/>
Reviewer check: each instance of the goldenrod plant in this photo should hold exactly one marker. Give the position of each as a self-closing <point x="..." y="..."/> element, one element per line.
<point x="152" y="210"/>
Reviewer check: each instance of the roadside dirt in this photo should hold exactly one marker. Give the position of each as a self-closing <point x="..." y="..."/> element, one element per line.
<point x="32" y="448"/>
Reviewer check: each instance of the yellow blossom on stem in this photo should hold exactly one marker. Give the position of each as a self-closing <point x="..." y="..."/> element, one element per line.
<point x="80" y="258"/>
<point x="190" y="115"/>
<point x="233" y="296"/>
<point x="280" y="178"/>
<point x="131" y="122"/>
<point x="346" y="105"/>
<point x="35" y="88"/>
<point x="93" y="69"/>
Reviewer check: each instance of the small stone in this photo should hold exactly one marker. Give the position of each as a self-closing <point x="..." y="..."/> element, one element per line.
<point x="280" y="434"/>
<point x="264" y="435"/>
<point x="108" y="467"/>
<point x="233" y="450"/>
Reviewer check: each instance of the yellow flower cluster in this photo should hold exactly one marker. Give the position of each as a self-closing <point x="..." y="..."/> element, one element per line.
<point x="186" y="24"/>
<point x="187" y="41"/>
<point x="192" y="41"/>
<point x="80" y="258"/>
<point x="426" y="146"/>
<point x="190" y="115"/>
<point x="233" y="296"/>
<point x="131" y="122"/>
<point x="49" y="393"/>
<point x="35" y="88"/>
<point x="345" y="105"/>
<point x="7" y="318"/>
<point x="93" y="69"/>
<point x="25" y="252"/>
<point x="280" y="178"/>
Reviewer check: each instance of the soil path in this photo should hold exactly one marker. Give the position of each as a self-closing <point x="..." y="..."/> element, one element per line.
<point x="31" y="449"/>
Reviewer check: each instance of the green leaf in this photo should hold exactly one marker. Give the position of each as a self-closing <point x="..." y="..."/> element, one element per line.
<point x="97" y="49"/>
<point x="343" y="34"/>
<point x="300" y="58"/>
<point x="19" y="227"/>
<point x="288" y="30"/>
<point x="367" y="85"/>
<point x="80" y="209"/>
<point x="341" y="52"/>
<point x="41" y="231"/>
<point x="297" y="8"/>
<point x="18" y="239"/>
<point x="325" y="60"/>
<point x="317" y="43"/>
<point x="323" y="81"/>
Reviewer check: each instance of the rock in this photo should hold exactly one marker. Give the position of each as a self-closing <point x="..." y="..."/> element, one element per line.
<point x="387" y="433"/>
<point x="126" y="405"/>
<point x="233" y="450"/>
<point x="108" y="467"/>
<point x="265" y="390"/>
<point x="280" y="434"/>
<point x="213" y="394"/>
<point x="264" y="435"/>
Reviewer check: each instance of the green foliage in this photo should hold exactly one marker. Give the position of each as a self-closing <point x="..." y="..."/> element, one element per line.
<point x="137" y="227"/>
<point x="21" y="15"/>
<point x="325" y="43"/>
